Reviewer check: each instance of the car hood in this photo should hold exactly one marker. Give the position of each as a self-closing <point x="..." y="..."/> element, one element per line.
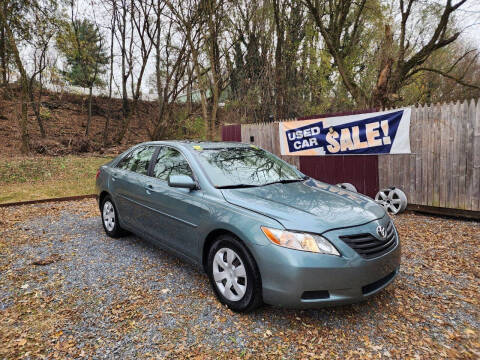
<point x="310" y="205"/>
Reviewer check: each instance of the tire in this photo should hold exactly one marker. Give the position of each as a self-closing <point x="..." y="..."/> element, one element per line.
<point x="110" y="221"/>
<point x="249" y="282"/>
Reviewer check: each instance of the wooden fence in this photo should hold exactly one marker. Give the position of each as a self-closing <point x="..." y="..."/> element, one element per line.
<point x="443" y="170"/>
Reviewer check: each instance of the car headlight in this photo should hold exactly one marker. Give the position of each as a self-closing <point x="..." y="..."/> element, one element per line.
<point x="300" y="241"/>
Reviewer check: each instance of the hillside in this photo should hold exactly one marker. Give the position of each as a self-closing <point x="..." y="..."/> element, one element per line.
<point x="65" y="118"/>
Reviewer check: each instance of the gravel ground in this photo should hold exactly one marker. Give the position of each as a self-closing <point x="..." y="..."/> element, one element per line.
<point x="69" y="291"/>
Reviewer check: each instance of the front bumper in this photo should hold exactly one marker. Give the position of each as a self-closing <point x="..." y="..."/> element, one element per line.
<point x="301" y="279"/>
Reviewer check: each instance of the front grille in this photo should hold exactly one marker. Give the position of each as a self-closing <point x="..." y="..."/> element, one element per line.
<point x="368" y="246"/>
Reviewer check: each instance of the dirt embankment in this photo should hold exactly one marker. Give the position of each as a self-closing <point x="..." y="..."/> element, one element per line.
<point x="65" y="119"/>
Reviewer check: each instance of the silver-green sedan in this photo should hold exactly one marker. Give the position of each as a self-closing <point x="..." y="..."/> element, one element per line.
<point x="262" y="230"/>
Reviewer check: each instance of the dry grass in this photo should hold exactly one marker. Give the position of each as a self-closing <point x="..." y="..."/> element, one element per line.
<point x="33" y="178"/>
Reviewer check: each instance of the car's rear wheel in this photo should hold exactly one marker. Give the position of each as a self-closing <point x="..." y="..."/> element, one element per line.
<point x="110" y="218"/>
<point x="234" y="274"/>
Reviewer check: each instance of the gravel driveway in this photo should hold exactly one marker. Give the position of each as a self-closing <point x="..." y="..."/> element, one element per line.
<point x="69" y="291"/>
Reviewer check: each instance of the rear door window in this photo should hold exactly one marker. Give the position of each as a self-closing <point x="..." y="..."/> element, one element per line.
<point x="138" y="160"/>
<point x="171" y="162"/>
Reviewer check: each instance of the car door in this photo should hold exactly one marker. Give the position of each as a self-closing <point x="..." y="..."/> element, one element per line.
<point x="176" y="212"/>
<point x="128" y="182"/>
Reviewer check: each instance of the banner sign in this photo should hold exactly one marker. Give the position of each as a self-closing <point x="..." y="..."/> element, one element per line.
<point x="385" y="132"/>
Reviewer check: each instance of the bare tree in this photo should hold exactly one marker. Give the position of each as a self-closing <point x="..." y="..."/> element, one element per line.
<point x="45" y="26"/>
<point x="171" y="62"/>
<point x="141" y="26"/>
<point x="10" y="39"/>
<point x="341" y="22"/>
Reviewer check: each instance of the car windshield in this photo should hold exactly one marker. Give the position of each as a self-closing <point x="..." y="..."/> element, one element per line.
<point x="245" y="167"/>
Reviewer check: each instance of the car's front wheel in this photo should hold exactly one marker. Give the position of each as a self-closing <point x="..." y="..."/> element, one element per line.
<point x="110" y="218"/>
<point x="234" y="274"/>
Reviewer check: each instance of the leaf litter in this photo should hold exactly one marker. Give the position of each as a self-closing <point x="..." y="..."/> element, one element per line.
<point x="90" y="296"/>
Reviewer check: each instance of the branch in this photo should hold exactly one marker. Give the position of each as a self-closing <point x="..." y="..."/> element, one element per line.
<point x="437" y="40"/>
<point x="448" y="76"/>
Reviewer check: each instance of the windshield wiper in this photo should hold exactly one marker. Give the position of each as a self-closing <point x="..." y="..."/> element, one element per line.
<point x="284" y="181"/>
<point x="236" y="186"/>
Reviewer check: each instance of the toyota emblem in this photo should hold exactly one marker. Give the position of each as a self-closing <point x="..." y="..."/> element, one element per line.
<point x="381" y="232"/>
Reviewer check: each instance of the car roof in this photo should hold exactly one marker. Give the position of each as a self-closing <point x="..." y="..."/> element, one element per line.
<point x="193" y="144"/>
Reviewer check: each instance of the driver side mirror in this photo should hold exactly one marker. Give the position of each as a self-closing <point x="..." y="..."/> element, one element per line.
<point x="181" y="181"/>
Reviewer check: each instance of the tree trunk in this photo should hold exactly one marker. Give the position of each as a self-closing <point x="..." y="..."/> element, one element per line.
<point x="3" y="47"/>
<point x="125" y="75"/>
<point x="36" y="104"/>
<point x="380" y="96"/>
<point x="189" y="91"/>
<point x="158" y="79"/>
<point x="110" y="80"/>
<point x="25" y="148"/>
<point x="279" y="70"/>
<point x="202" y="88"/>
<point x="105" y="129"/>
<point x="89" y="118"/>
<point x="36" y="110"/>
<point x="214" y="58"/>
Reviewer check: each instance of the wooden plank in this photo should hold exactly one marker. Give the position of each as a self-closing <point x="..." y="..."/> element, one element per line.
<point x="418" y="155"/>
<point x="449" y="163"/>
<point x="469" y="138"/>
<point x="405" y="163"/>
<point x="275" y="139"/>
<point x="425" y="148"/>
<point x="431" y="150"/>
<point x="444" y="211"/>
<point x="263" y="138"/>
<point x="266" y="142"/>
<point x="453" y="188"/>
<point x="411" y="173"/>
<point x="258" y="135"/>
<point x="462" y="133"/>
<point x="390" y="170"/>
<point x="382" y="171"/>
<point x="436" y="155"/>
<point x="444" y="134"/>
<point x="398" y="169"/>
<point x="272" y="136"/>
<point x="476" y="160"/>
<point x="395" y="171"/>
<point x="269" y="135"/>
<point x="244" y="133"/>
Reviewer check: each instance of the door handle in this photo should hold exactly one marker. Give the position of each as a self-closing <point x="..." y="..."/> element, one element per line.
<point x="149" y="188"/>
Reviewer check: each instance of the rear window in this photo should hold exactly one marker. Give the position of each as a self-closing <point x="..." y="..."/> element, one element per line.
<point x="137" y="160"/>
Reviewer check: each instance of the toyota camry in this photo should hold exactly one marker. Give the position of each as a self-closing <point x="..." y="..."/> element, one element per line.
<point x="262" y="231"/>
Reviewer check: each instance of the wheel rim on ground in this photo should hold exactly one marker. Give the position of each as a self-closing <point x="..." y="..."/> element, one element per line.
<point x="393" y="200"/>
<point x="108" y="215"/>
<point x="229" y="274"/>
